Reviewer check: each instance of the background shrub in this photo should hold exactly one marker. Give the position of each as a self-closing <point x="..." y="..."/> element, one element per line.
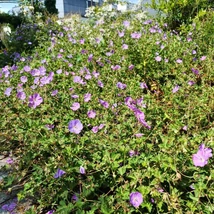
<point x="181" y="12"/>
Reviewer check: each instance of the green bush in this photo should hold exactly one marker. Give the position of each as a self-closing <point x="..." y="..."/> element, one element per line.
<point x="180" y="12"/>
<point x="13" y="20"/>
<point x="140" y="98"/>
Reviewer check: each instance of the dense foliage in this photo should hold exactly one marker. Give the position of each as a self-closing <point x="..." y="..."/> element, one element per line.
<point x="50" y="5"/>
<point x="115" y="117"/>
<point x="181" y="11"/>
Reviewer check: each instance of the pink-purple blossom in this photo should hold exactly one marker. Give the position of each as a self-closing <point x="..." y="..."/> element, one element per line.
<point x="143" y="85"/>
<point x="135" y="35"/>
<point x="21" y="95"/>
<point x="121" y="34"/>
<point x="158" y="58"/>
<point x="121" y="85"/>
<point x="87" y="97"/>
<point x="131" y="67"/>
<point x="104" y="103"/>
<point x="175" y="89"/>
<point x="82" y="170"/>
<point x="100" y="84"/>
<point x="203" y="58"/>
<point x="91" y="114"/>
<point x="35" y="100"/>
<point x="75" y="126"/>
<point x="126" y="23"/>
<point x="179" y="61"/>
<point x="54" y="93"/>
<point x="23" y="79"/>
<point x="8" y="91"/>
<point x="202" y="156"/>
<point x="116" y="67"/>
<point x="75" y="106"/>
<point x="125" y="46"/>
<point x="136" y="199"/>
<point x="10" y="161"/>
<point x="59" y="173"/>
<point x="95" y="129"/>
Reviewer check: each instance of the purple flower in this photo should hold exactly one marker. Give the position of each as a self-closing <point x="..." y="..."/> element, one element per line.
<point x="49" y="126"/>
<point x="195" y="71"/>
<point x="158" y="58"/>
<point x="21" y="95"/>
<point x="136" y="199"/>
<point x="75" y="106"/>
<point x="75" y="126"/>
<point x="131" y="67"/>
<point x="87" y="97"/>
<point x="126" y="23"/>
<point x="74" y="198"/>
<point x="100" y="84"/>
<point x="179" y="61"/>
<point x="95" y="129"/>
<point x="35" y="72"/>
<point x="120" y="85"/>
<point x="136" y="35"/>
<point x="120" y="34"/>
<point x="175" y="89"/>
<point x="143" y="85"/>
<point x="138" y="135"/>
<point x="82" y="170"/>
<point x="202" y="156"/>
<point x="54" y="93"/>
<point x="101" y="126"/>
<point x="50" y="212"/>
<point x="95" y="74"/>
<point x="77" y="79"/>
<point x="104" y="103"/>
<point x="185" y="128"/>
<point x="116" y="67"/>
<point x="59" y="173"/>
<point x="27" y="68"/>
<point x="191" y="82"/>
<point x="133" y="153"/>
<point x="10" y="161"/>
<point x="74" y="96"/>
<point x="91" y="114"/>
<point x="82" y="41"/>
<point x="59" y="71"/>
<point x="125" y="47"/>
<point x="141" y="118"/>
<point x="42" y="70"/>
<point x="88" y="76"/>
<point x="90" y="57"/>
<point x="192" y="186"/>
<point x="23" y="79"/>
<point x="203" y="58"/>
<point x="194" y="52"/>
<point x="35" y="100"/>
<point x="7" y="92"/>
<point x="9" y="207"/>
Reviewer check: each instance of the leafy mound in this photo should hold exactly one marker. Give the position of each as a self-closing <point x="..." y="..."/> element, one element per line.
<point x="110" y="111"/>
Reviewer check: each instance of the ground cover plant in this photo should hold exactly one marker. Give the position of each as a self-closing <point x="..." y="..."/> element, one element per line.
<point x="115" y="117"/>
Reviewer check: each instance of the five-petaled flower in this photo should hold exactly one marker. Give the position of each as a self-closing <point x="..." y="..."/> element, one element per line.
<point x="75" y="126"/>
<point x="202" y="156"/>
<point x="35" y="100"/>
<point x="136" y="199"/>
